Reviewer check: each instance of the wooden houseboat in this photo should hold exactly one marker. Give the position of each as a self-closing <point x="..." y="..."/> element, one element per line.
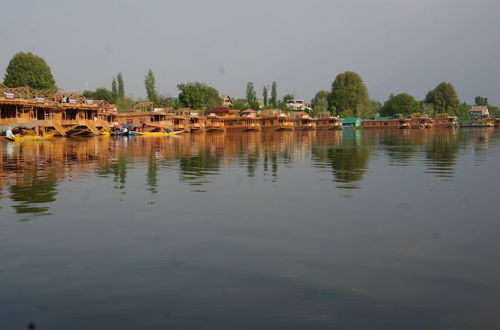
<point x="464" y="123"/>
<point x="328" y="122"/>
<point x="419" y="120"/>
<point x="387" y="122"/>
<point x="442" y="120"/>
<point x="55" y="114"/>
<point x="279" y="122"/>
<point x="304" y="122"/>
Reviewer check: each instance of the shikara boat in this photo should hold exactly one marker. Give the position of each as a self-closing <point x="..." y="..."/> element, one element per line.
<point x="28" y="138"/>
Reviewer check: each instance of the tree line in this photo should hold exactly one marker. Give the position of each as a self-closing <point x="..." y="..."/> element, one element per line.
<point x="347" y="97"/>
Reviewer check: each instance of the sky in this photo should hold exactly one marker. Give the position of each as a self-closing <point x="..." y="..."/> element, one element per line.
<point x="395" y="45"/>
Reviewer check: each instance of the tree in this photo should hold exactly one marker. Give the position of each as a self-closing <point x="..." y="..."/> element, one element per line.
<point x="213" y="100"/>
<point x="251" y="95"/>
<point x="149" y="82"/>
<point x="288" y="97"/>
<point x="193" y="95"/>
<point x="320" y="102"/>
<point x="320" y="105"/>
<point x="479" y="100"/>
<point x="27" y="69"/>
<point x="121" y="85"/>
<point x="348" y="92"/>
<point x="114" y="90"/>
<point x="403" y="103"/>
<point x="265" y="95"/>
<point x="240" y="104"/>
<point x="274" y="94"/>
<point x="101" y="93"/>
<point x="443" y="98"/>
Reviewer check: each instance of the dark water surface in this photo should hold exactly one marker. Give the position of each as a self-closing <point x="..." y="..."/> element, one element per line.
<point x="312" y="230"/>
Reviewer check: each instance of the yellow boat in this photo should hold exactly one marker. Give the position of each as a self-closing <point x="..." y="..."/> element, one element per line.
<point x="105" y="133"/>
<point x="28" y="138"/>
<point x="159" y="133"/>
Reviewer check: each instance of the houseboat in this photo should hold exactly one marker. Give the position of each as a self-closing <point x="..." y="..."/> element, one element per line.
<point x="278" y="122"/>
<point x="419" y="120"/>
<point x="464" y="123"/>
<point x="387" y="122"/>
<point x="303" y="122"/>
<point x="55" y="114"/>
<point x="442" y="120"/>
<point x="350" y="122"/>
<point x="328" y="122"/>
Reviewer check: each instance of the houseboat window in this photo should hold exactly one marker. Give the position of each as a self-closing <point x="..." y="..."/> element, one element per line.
<point x="130" y="121"/>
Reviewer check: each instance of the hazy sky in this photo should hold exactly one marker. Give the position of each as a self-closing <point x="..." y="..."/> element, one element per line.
<point x="395" y="45"/>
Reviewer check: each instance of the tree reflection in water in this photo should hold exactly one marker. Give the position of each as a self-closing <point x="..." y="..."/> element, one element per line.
<point x="347" y="155"/>
<point x="31" y="171"/>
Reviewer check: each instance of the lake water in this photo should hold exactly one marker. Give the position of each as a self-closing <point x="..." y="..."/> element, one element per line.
<point x="374" y="229"/>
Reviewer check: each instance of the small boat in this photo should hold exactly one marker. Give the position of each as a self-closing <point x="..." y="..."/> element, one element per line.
<point x="159" y="133"/>
<point x="105" y="133"/>
<point x="128" y="133"/>
<point x="28" y="138"/>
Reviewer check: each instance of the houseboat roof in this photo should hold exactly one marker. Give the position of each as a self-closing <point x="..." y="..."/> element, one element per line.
<point x="249" y="111"/>
<point x="349" y="120"/>
<point x="223" y="110"/>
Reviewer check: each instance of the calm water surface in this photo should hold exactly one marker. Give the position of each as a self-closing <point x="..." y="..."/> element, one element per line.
<point x="313" y="230"/>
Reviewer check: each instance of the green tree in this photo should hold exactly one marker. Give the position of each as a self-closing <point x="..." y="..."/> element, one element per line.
<point x="114" y="90"/>
<point x="121" y="85"/>
<point x="288" y="97"/>
<point x="348" y="92"/>
<point x="318" y="102"/>
<point x="479" y="100"/>
<point x="149" y="83"/>
<point x="101" y="93"/>
<point x="403" y="103"/>
<point x="251" y="95"/>
<point x="265" y="95"/>
<point x="27" y="69"/>
<point x="240" y="104"/>
<point x="443" y="98"/>
<point x="462" y="111"/>
<point x="274" y="94"/>
<point x="320" y="105"/>
<point x="193" y="95"/>
<point x="213" y="99"/>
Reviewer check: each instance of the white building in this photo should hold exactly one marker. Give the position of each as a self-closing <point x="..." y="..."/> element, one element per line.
<point x="298" y="105"/>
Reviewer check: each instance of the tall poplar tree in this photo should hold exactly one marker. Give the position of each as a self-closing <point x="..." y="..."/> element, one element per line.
<point x="114" y="91"/>
<point x="121" y="86"/>
<point x="265" y="95"/>
<point x="149" y="83"/>
<point x="274" y="94"/>
<point x="251" y="94"/>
